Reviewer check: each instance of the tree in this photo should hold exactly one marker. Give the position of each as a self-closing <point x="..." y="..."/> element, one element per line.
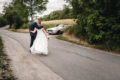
<point x="98" y="21"/>
<point x="35" y="6"/>
<point x="16" y="14"/>
<point x="3" y="21"/>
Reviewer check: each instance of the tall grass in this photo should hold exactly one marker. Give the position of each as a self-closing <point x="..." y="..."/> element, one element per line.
<point x="52" y="23"/>
<point x="48" y="25"/>
<point x="62" y="21"/>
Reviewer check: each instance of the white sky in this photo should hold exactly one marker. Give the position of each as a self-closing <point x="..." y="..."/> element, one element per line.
<point x="2" y="3"/>
<point x="51" y="6"/>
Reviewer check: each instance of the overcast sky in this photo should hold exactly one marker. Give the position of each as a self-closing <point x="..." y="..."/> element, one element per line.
<point x="51" y="6"/>
<point x="2" y="2"/>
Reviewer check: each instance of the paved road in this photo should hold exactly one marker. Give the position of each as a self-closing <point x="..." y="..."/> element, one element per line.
<point x="73" y="62"/>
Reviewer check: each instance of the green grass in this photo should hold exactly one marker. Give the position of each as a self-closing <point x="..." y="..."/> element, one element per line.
<point x="5" y="71"/>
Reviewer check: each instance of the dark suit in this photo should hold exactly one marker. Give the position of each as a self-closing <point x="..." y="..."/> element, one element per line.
<point x="32" y="26"/>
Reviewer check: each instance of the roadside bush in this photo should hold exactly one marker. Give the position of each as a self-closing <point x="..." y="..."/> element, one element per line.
<point x="16" y="14"/>
<point x="98" y="22"/>
<point x="97" y="29"/>
<point x="3" y="21"/>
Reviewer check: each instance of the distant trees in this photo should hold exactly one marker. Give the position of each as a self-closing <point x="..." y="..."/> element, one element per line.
<point x="98" y="21"/>
<point x="35" y="6"/>
<point x="18" y="11"/>
<point x="59" y="14"/>
<point x="16" y="14"/>
<point x="3" y="21"/>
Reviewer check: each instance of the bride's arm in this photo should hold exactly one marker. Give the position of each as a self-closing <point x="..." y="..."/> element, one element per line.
<point x="45" y="32"/>
<point x="34" y="30"/>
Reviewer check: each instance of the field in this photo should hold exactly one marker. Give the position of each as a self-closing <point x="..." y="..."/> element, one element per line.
<point x="62" y="21"/>
<point x="48" y="24"/>
<point x="52" y="23"/>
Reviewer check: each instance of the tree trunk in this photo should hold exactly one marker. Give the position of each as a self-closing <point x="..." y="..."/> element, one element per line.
<point x="31" y="10"/>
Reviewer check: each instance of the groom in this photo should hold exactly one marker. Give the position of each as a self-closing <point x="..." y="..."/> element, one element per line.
<point x="32" y="26"/>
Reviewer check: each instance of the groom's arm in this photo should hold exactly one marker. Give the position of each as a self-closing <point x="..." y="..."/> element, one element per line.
<point x="33" y="27"/>
<point x="34" y="31"/>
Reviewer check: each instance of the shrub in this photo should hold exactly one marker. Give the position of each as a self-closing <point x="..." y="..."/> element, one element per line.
<point x="3" y="21"/>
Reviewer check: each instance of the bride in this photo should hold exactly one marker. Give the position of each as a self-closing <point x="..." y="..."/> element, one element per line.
<point x="40" y="45"/>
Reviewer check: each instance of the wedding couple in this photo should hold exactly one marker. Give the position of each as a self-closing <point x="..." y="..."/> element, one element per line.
<point x="39" y="43"/>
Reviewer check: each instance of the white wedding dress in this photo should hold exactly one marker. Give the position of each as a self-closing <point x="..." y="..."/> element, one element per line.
<point x="40" y="45"/>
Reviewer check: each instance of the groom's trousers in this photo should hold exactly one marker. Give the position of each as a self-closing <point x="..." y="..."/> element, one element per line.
<point x="32" y="40"/>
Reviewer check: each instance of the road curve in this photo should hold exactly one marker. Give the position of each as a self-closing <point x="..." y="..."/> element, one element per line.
<point x="71" y="61"/>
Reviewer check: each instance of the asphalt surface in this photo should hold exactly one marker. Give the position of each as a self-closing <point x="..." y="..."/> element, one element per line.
<point x="71" y="61"/>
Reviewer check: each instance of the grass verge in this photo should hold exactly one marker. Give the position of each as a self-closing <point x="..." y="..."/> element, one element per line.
<point x="5" y="71"/>
<point x="100" y="47"/>
<point x="65" y="39"/>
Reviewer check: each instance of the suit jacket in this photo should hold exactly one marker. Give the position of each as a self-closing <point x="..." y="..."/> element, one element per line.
<point x="31" y="28"/>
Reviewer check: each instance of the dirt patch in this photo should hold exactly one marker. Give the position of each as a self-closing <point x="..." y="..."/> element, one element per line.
<point x="23" y="30"/>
